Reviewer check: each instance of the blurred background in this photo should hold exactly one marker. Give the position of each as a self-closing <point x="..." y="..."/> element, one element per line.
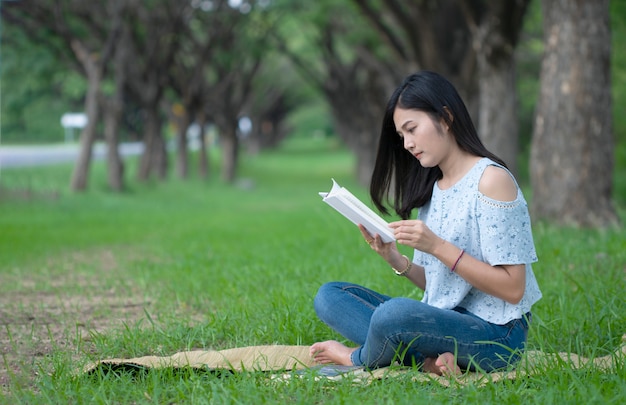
<point x="164" y="79"/>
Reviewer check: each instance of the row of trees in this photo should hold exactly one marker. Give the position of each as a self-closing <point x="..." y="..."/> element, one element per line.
<point x="148" y="55"/>
<point x="220" y="60"/>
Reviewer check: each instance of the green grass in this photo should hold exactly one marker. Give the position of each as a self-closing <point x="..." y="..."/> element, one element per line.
<point x="181" y="265"/>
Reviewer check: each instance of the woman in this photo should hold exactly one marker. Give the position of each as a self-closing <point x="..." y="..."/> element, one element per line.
<point x="472" y="242"/>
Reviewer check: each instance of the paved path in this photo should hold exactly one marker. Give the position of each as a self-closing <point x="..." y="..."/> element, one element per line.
<point x="23" y="156"/>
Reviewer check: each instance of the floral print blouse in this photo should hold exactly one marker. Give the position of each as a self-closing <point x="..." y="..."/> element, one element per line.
<point x="492" y="231"/>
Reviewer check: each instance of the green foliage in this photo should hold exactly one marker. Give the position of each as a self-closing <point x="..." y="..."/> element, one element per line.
<point x="529" y="53"/>
<point x="37" y="89"/>
<point x="212" y="266"/>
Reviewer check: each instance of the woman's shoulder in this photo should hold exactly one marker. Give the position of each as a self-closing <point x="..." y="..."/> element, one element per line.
<point x="497" y="183"/>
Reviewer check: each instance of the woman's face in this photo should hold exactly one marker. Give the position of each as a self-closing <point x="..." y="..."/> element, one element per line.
<point x="427" y="140"/>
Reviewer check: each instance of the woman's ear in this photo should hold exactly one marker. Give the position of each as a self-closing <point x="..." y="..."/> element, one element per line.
<point x="448" y="119"/>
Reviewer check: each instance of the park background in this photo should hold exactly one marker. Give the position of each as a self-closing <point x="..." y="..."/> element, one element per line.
<point x="214" y="246"/>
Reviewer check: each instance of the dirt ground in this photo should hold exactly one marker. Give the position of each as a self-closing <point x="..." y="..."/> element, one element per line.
<point x="60" y="313"/>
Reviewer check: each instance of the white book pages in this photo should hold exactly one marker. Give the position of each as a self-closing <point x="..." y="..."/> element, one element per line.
<point x="356" y="211"/>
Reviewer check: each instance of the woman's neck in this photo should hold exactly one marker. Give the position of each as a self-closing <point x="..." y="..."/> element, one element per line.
<point x="455" y="167"/>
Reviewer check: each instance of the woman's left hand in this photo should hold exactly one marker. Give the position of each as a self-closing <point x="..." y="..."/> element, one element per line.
<point x="416" y="234"/>
<point x="385" y="250"/>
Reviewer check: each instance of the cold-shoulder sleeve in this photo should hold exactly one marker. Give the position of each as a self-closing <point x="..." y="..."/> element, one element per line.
<point x="505" y="231"/>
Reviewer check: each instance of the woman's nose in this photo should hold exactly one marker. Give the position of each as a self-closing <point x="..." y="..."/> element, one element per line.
<point x="408" y="143"/>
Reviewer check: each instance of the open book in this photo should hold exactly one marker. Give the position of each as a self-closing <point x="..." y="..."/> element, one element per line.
<point x="360" y="214"/>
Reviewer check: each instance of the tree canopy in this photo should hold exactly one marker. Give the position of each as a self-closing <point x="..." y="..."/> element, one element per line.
<point x="134" y="65"/>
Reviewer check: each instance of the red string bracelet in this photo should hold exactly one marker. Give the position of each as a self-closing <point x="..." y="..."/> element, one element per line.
<point x="457" y="261"/>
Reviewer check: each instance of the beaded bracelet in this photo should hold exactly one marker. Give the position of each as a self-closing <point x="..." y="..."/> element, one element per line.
<point x="406" y="270"/>
<point x="457" y="261"/>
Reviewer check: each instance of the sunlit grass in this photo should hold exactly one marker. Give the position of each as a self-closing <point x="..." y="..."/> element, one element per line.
<point x="182" y="265"/>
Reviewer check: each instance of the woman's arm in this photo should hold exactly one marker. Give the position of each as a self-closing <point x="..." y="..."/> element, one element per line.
<point x="415" y="273"/>
<point x="417" y="276"/>
<point x="507" y="282"/>
<point x="389" y="252"/>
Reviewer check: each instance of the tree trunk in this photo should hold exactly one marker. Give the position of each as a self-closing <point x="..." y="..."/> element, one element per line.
<point x="203" y="157"/>
<point x="115" y="165"/>
<point x="359" y="130"/>
<point x="495" y="33"/>
<point x="93" y="72"/>
<point x="154" y="157"/>
<point x="497" y="120"/>
<point x="365" y="158"/>
<point x="145" y="163"/>
<point x="230" y="153"/>
<point x="572" y="146"/>
<point x="80" y="175"/>
<point x="182" y="150"/>
<point x="162" y="161"/>
<point x="113" y="110"/>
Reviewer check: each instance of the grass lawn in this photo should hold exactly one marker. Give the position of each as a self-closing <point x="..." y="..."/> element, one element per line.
<point x="196" y="264"/>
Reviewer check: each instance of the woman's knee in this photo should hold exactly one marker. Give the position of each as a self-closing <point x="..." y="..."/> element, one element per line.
<point x="394" y="314"/>
<point x="326" y="297"/>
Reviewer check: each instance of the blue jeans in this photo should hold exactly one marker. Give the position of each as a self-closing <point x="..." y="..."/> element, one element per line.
<point x="407" y="331"/>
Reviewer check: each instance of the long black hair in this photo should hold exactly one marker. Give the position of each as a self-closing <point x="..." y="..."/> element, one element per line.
<point x="413" y="184"/>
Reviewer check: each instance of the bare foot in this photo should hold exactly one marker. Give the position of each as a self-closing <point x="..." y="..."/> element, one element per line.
<point x="445" y="364"/>
<point x="331" y="351"/>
